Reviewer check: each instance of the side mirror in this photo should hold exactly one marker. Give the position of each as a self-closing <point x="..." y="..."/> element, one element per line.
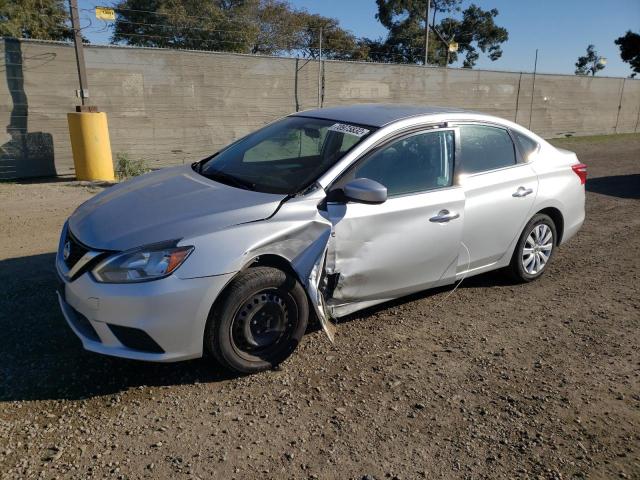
<point x="365" y="190"/>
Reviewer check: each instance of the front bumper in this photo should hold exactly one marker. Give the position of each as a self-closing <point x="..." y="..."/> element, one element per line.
<point x="172" y="312"/>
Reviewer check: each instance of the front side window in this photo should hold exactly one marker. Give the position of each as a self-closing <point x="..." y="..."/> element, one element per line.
<point x="485" y="148"/>
<point x="283" y="157"/>
<point x="412" y="164"/>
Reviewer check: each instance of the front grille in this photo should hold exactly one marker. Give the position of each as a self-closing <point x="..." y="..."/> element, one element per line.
<point x="135" y="339"/>
<point x="76" y="250"/>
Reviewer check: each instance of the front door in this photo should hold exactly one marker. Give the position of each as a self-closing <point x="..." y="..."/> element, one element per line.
<point x="411" y="241"/>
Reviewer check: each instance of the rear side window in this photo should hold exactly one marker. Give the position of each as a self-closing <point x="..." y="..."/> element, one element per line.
<point x="527" y="145"/>
<point x="412" y="164"/>
<point x="485" y="148"/>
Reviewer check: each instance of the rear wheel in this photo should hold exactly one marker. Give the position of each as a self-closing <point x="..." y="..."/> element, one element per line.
<point x="259" y="321"/>
<point x="534" y="249"/>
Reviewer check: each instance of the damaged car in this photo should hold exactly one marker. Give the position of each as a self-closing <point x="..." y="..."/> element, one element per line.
<point x="319" y="214"/>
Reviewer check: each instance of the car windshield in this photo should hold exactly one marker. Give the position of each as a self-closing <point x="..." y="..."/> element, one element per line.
<point x="284" y="157"/>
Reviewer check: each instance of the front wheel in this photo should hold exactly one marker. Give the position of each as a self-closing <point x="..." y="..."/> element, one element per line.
<point x="258" y="322"/>
<point x="534" y="249"/>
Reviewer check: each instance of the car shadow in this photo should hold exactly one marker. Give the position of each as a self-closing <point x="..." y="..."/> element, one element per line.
<point x="621" y="186"/>
<point x="42" y="359"/>
<point x="43" y="180"/>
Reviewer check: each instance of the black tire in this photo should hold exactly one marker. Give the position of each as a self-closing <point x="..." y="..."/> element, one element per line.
<point x="516" y="268"/>
<point x="258" y="322"/>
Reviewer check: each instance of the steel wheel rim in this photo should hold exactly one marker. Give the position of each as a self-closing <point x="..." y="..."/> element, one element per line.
<point x="263" y="323"/>
<point x="537" y="249"/>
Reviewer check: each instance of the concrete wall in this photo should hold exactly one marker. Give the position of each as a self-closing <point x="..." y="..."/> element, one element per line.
<point x="173" y="107"/>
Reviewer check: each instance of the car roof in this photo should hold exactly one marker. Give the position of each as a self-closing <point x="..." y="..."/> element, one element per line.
<point x="376" y="114"/>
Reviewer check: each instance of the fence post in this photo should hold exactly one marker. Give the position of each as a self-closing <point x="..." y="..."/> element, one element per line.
<point x="319" y="68"/>
<point x="615" y="129"/>
<point x="295" y="86"/>
<point x="515" y="118"/>
<point x="426" y="35"/>
<point x="533" y="87"/>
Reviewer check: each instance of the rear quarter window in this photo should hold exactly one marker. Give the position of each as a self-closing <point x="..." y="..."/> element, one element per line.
<point x="526" y="145"/>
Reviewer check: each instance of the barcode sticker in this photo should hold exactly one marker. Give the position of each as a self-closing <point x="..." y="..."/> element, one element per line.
<point x="348" y="129"/>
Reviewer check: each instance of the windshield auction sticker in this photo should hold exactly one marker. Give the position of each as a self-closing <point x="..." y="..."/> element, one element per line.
<point x="348" y="129"/>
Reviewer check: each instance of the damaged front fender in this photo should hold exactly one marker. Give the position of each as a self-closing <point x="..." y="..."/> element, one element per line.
<point x="299" y="232"/>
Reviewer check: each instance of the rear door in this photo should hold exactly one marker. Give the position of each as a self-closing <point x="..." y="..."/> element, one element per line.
<point x="411" y="241"/>
<point x="500" y="190"/>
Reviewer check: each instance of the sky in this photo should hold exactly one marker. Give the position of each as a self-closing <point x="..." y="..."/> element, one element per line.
<point x="559" y="29"/>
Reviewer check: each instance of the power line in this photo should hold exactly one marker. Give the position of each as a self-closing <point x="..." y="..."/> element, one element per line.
<point x="224" y="17"/>
<point x="291" y="42"/>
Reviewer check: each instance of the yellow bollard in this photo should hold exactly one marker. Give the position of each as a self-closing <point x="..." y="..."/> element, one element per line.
<point x="90" y="145"/>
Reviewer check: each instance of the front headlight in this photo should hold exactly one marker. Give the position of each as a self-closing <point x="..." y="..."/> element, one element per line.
<point x="141" y="265"/>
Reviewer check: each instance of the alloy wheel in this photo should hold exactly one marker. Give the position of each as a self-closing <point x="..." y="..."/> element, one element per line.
<point x="537" y="249"/>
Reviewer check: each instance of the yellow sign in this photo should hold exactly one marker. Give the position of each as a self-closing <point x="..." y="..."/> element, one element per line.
<point x="105" y="13"/>
<point x="453" y="47"/>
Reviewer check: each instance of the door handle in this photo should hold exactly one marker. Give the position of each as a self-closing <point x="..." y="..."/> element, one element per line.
<point x="523" y="192"/>
<point x="444" y="216"/>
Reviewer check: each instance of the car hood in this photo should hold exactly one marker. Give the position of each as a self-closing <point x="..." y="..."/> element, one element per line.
<point x="169" y="204"/>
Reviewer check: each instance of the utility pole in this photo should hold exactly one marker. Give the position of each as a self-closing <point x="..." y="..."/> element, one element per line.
<point x="77" y="43"/>
<point x="426" y="34"/>
<point x="88" y="128"/>
<point x="320" y="69"/>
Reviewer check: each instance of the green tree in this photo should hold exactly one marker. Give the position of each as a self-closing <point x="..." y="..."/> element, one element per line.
<point x="476" y="30"/>
<point x="630" y="50"/>
<point x="591" y="63"/>
<point x="42" y="19"/>
<point x="249" y="26"/>
<point x="405" y="20"/>
<point x="189" y="24"/>
<point x="278" y="27"/>
<point x="443" y="6"/>
<point x="337" y="43"/>
<point x="375" y="50"/>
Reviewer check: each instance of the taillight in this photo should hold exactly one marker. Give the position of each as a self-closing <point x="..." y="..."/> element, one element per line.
<point x="580" y="169"/>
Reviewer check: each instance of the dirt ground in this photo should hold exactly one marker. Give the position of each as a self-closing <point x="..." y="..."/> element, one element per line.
<point x="496" y="381"/>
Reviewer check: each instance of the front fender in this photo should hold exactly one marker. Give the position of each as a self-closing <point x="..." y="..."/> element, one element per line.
<point x="298" y="232"/>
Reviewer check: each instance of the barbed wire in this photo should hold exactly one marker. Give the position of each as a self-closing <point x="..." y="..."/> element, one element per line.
<point x="225" y="16"/>
<point x="258" y="41"/>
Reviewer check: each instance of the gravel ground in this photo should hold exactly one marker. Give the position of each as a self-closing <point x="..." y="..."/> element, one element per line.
<point x="495" y="381"/>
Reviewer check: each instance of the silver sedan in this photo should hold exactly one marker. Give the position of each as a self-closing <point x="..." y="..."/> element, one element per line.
<point x="321" y="213"/>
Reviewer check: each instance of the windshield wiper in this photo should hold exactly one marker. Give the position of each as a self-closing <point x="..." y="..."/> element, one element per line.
<point x="229" y="180"/>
